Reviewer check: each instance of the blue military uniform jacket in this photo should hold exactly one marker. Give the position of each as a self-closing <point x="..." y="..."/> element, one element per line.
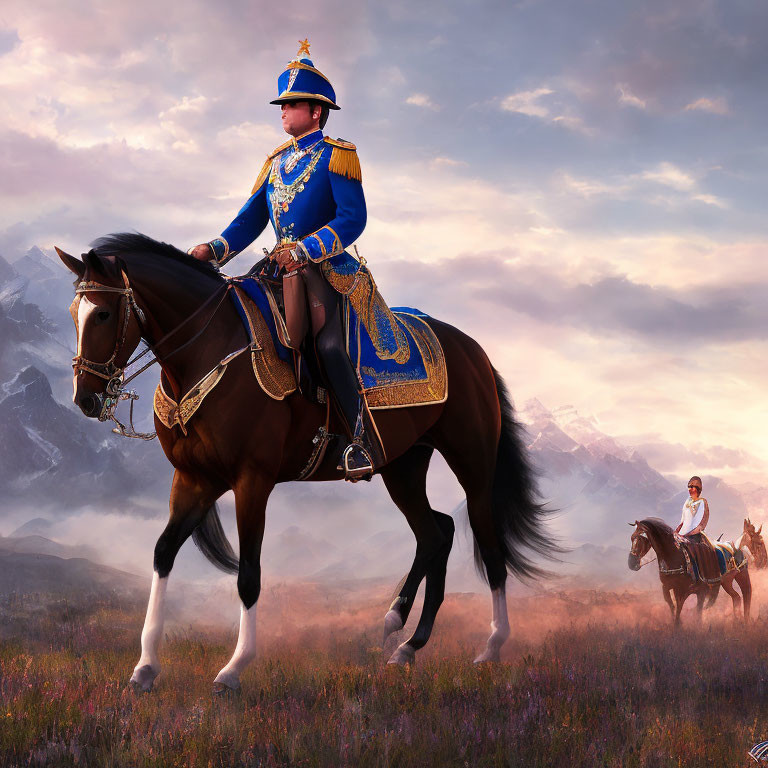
<point x="311" y="190"/>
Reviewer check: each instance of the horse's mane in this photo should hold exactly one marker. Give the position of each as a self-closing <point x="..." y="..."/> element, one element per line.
<point x="121" y="244"/>
<point x="656" y="525"/>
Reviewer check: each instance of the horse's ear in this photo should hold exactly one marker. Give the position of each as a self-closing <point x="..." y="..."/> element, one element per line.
<point x="759" y="529"/>
<point x="71" y="263"/>
<point x="92" y="261"/>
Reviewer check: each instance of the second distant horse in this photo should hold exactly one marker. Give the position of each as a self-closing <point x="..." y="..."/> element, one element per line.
<point x="675" y="571"/>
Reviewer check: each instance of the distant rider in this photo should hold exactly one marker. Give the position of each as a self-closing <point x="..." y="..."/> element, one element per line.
<point x="695" y="514"/>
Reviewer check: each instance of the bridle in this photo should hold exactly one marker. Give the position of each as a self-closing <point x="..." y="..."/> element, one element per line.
<point x="109" y="370"/>
<point x="113" y="373"/>
<point x="635" y="539"/>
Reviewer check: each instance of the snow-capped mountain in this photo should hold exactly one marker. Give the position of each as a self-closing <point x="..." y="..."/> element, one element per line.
<point x="36" y="265"/>
<point x="28" y="337"/>
<point x="598" y="485"/>
<point x="47" y="449"/>
<point x="48" y="284"/>
<point x="7" y="272"/>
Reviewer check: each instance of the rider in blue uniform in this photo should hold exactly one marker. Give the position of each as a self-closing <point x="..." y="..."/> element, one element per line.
<point x="310" y="189"/>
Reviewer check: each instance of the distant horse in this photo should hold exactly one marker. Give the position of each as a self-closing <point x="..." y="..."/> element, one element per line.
<point x="133" y="287"/>
<point x="752" y="539"/>
<point x="675" y="571"/>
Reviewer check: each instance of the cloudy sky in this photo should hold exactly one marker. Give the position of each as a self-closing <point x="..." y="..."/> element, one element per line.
<point x="579" y="185"/>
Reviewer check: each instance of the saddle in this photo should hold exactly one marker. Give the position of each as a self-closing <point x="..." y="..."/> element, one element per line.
<point x="704" y="558"/>
<point x="712" y="559"/>
<point x="397" y="354"/>
<point x="729" y="556"/>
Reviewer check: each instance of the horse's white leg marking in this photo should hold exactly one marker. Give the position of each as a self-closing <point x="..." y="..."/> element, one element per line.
<point x="499" y="627"/>
<point x="393" y="622"/>
<point x="245" y="650"/>
<point x="404" y="654"/>
<point x="148" y="667"/>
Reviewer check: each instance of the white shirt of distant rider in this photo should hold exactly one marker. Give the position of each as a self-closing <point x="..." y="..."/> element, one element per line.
<point x="693" y="514"/>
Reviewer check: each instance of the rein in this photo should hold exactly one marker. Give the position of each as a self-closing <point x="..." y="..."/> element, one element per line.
<point x="662" y="563"/>
<point x="115" y="375"/>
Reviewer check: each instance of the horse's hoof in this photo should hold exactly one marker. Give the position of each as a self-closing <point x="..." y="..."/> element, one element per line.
<point x="223" y="691"/>
<point x="143" y="679"/>
<point x="403" y="656"/>
<point x="226" y="684"/>
<point x="392" y="623"/>
<point x="488" y="656"/>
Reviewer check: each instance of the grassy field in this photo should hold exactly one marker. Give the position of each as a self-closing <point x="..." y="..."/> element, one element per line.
<point x="589" y="679"/>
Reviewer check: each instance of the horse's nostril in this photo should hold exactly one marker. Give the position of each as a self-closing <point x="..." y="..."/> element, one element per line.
<point x="89" y="405"/>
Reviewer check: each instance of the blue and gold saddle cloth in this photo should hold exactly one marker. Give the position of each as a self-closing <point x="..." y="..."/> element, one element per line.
<point x="728" y="556"/>
<point x="416" y="375"/>
<point x="396" y="352"/>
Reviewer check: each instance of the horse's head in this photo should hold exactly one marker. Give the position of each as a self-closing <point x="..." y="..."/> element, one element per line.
<point x="640" y="544"/>
<point x="108" y="325"/>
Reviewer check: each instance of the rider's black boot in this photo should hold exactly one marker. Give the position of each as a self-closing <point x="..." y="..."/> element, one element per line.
<point x="364" y="454"/>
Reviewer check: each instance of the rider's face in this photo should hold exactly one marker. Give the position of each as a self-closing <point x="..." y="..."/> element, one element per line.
<point x="693" y="490"/>
<point x="298" y="118"/>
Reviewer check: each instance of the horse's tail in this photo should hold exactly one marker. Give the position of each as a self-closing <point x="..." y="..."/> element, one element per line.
<point x="211" y="540"/>
<point x="518" y="515"/>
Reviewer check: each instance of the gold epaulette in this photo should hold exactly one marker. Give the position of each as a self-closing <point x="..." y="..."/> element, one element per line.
<point x="344" y="159"/>
<point x="264" y="172"/>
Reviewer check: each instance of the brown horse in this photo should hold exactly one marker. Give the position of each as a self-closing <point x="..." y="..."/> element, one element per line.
<point x="675" y="573"/>
<point x="753" y="540"/>
<point x="132" y="287"/>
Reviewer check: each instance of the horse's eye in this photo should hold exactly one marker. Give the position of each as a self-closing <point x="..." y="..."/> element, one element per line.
<point x="102" y="316"/>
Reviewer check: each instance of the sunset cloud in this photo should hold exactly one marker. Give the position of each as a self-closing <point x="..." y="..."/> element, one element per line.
<point x="421" y="100"/>
<point x="670" y="176"/>
<point x="626" y="97"/>
<point x="527" y="102"/>
<point x="715" y="106"/>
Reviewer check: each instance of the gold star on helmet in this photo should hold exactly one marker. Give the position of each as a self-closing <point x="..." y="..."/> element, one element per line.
<point x="303" y="48"/>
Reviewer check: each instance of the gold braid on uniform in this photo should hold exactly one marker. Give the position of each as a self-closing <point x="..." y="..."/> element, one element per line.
<point x="344" y="160"/>
<point x="265" y="169"/>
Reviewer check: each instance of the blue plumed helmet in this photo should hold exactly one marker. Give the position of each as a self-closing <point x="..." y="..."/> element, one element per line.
<point x="302" y="81"/>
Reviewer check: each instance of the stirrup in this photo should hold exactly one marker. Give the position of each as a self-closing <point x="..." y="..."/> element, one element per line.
<point x="356" y="463"/>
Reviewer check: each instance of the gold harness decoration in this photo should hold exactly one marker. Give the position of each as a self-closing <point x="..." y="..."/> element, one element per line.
<point x="275" y="376"/>
<point x="169" y="412"/>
